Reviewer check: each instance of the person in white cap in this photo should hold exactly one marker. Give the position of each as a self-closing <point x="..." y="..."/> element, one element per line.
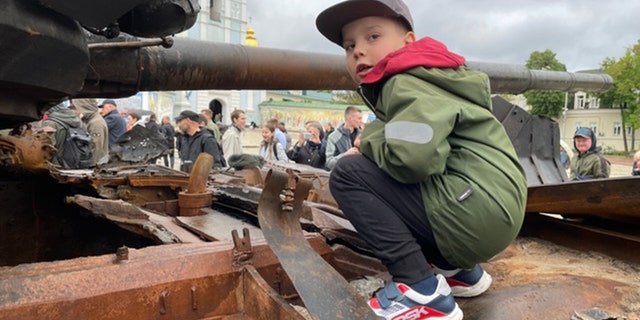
<point x="436" y="187"/>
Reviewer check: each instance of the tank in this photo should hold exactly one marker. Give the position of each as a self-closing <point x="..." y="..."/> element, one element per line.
<point x="143" y="241"/>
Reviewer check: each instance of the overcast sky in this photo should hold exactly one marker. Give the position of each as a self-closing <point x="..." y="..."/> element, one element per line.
<point x="582" y="33"/>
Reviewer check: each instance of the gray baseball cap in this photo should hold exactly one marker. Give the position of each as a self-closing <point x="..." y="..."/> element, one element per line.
<point x="330" y="21"/>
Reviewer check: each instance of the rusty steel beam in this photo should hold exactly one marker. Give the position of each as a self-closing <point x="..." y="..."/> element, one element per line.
<point x="612" y="198"/>
<point x="186" y="281"/>
<point x="200" y="65"/>
<point x="317" y="282"/>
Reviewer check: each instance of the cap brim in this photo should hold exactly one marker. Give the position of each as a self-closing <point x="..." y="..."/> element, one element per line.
<point x="582" y="135"/>
<point x="330" y="21"/>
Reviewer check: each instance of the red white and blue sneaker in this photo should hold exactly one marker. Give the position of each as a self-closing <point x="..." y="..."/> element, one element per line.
<point x="397" y="301"/>
<point x="466" y="283"/>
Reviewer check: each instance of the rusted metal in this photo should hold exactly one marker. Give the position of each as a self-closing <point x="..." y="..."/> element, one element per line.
<point x="127" y="216"/>
<point x="216" y="226"/>
<point x="252" y="176"/>
<point x="534" y="279"/>
<point x="96" y="288"/>
<point x="319" y="284"/>
<point x="122" y="254"/>
<point x="242" y="250"/>
<point x="612" y="197"/>
<point x="618" y="240"/>
<point x="197" y="196"/>
<point x="30" y="152"/>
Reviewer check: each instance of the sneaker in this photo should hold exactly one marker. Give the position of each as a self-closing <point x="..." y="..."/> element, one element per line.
<point x="466" y="283"/>
<point x="398" y="301"/>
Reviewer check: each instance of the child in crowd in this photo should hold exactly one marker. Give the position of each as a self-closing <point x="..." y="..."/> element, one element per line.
<point x="270" y="148"/>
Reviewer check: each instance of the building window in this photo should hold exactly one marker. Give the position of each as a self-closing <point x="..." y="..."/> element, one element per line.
<point x="215" y="10"/>
<point x="629" y="131"/>
<point x="594" y="127"/>
<point x="617" y="128"/>
<point x="580" y="100"/>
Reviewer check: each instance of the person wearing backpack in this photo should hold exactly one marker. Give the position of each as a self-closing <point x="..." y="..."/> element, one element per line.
<point x="70" y="138"/>
<point x="97" y="128"/>
<point x="270" y="148"/>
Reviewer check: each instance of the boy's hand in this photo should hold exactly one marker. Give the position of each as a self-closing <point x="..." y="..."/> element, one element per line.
<point x="352" y="150"/>
<point x="356" y="141"/>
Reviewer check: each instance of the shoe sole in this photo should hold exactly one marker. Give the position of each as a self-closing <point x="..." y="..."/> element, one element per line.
<point x="477" y="289"/>
<point x="455" y="314"/>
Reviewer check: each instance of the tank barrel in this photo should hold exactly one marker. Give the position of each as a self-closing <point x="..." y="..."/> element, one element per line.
<point x="510" y="78"/>
<point x="200" y="65"/>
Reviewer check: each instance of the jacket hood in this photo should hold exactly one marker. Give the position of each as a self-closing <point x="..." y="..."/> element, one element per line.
<point x="431" y="61"/>
<point x="67" y="116"/>
<point x="426" y="52"/>
<point x="86" y="106"/>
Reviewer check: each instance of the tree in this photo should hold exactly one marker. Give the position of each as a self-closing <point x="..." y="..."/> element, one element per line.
<point x="626" y="89"/>
<point x="347" y="96"/>
<point x="548" y="103"/>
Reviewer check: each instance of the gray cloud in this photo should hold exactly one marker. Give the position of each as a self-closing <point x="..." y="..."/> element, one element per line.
<point x="581" y="33"/>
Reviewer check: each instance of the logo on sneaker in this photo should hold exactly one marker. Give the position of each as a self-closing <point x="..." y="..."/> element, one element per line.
<point x="418" y="312"/>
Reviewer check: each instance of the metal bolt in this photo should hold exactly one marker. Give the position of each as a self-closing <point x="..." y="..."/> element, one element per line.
<point x="122" y="254"/>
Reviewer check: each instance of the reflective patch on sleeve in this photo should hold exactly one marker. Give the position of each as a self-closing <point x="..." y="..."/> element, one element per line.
<point x="413" y="132"/>
<point x="465" y="193"/>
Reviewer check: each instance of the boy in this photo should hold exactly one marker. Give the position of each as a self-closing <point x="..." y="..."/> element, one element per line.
<point x="437" y="187"/>
<point x="588" y="163"/>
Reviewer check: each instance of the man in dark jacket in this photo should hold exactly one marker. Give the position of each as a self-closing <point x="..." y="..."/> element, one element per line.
<point x="115" y="123"/>
<point x="195" y="140"/>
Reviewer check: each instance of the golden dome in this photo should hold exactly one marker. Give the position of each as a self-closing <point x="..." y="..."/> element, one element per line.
<point x="250" y="40"/>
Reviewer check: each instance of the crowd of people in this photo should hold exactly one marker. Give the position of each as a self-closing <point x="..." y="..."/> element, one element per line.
<point x="320" y="145"/>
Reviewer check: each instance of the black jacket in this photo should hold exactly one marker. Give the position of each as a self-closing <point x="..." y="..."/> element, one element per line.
<point x="311" y="153"/>
<point x="169" y="133"/>
<point x="192" y="146"/>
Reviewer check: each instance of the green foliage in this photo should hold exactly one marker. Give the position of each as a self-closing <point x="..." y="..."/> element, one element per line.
<point x="548" y="103"/>
<point x="348" y="96"/>
<point x="545" y="60"/>
<point x="625" y="93"/>
<point x="626" y="79"/>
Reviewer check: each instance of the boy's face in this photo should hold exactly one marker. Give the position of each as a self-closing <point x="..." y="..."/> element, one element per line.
<point x="367" y="40"/>
<point x="582" y="144"/>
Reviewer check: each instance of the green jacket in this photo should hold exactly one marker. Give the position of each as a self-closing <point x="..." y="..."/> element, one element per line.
<point x="589" y="165"/>
<point x="435" y="127"/>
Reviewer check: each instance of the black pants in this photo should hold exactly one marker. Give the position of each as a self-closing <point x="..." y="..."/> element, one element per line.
<point x="389" y="215"/>
<point x="169" y="159"/>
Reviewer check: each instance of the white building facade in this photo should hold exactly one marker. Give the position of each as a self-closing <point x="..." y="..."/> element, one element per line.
<point x="218" y="21"/>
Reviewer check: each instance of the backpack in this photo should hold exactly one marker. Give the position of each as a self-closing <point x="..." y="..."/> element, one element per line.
<point x="76" y="153"/>
<point x="275" y="150"/>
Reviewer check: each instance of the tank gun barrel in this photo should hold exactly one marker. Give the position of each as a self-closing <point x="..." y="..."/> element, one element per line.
<point x="200" y="65"/>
